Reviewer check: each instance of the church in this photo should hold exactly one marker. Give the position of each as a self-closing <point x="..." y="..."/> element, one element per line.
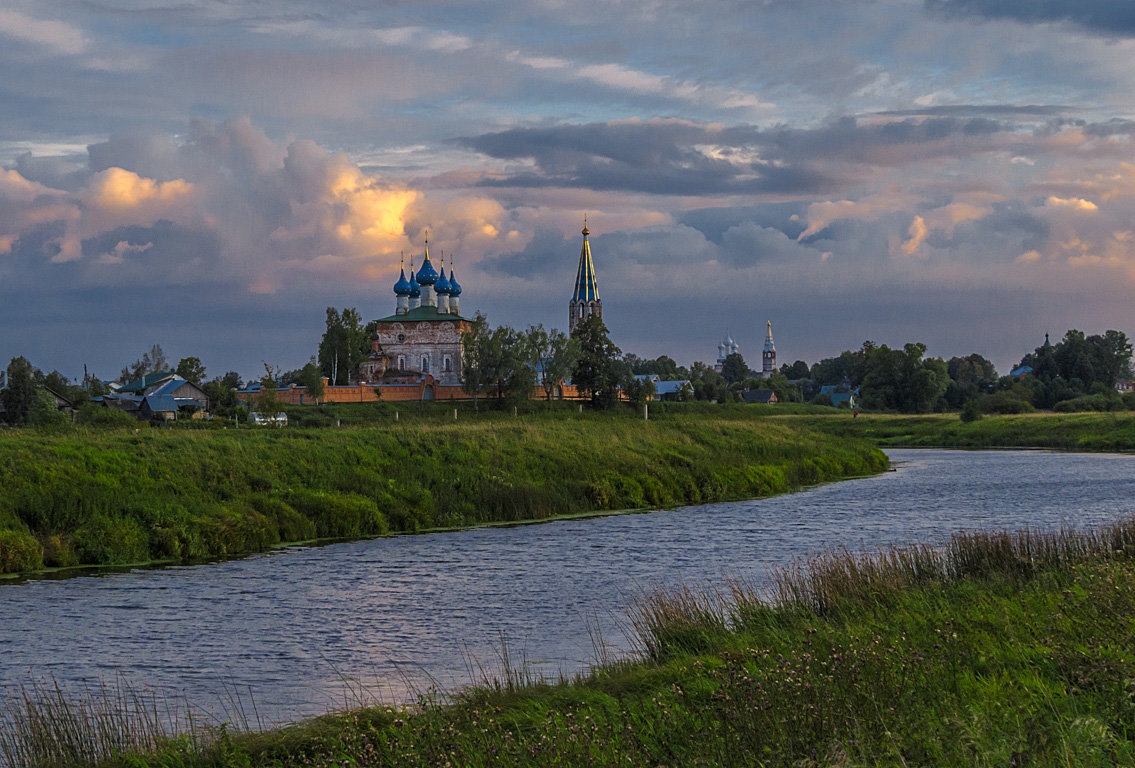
<point x="416" y="353"/>
<point x="423" y="336"/>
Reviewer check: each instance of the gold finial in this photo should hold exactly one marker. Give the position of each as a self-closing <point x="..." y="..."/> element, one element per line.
<point x="586" y="231"/>
<point x="442" y="260"/>
<point x="402" y="259"/>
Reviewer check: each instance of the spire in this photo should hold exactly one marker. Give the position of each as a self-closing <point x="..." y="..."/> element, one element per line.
<point x="586" y="286"/>
<point x="769" y="346"/>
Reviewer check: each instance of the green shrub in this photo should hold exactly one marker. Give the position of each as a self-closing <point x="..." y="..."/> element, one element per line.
<point x="970" y="411"/>
<point x="105" y="540"/>
<point x="339" y="515"/>
<point x="19" y="551"/>
<point x="1004" y="402"/>
<point x="59" y="551"/>
<point x="96" y="415"/>
<point x="1097" y="402"/>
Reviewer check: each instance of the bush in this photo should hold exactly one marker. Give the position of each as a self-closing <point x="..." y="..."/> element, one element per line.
<point x="108" y="540"/>
<point x="19" y="551"/>
<point x="95" y="415"/>
<point x="1003" y="402"/>
<point x="970" y="411"/>
<point x="339" y="515"/>
<point x="1090" y="403"/>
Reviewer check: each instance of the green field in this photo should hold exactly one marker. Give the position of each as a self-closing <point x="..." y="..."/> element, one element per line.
<point x="1068" y="432"/>
<point x="104" y="496"/>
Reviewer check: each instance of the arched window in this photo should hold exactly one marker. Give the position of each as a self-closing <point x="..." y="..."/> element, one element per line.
<point x="401" y="363"/>
<point x="425" y="364"/>
<point x="447" y="365"/>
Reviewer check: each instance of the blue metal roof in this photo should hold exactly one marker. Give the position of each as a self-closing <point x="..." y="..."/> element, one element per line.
<point x="669" y="387"/>
<point x="162" y="403"/>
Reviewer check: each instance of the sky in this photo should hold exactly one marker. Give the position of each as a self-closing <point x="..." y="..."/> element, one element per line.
<point x="210" y="176"/>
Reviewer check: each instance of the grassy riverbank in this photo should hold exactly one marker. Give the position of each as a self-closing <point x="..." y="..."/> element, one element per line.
<point x="995" y="650"/>
<point x="1069" y="432"/>
<point x="130" y="496"/>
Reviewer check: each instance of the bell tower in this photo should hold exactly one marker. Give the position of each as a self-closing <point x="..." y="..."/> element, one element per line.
<point x="585" y="300"/>
<point x="768" y="354"/>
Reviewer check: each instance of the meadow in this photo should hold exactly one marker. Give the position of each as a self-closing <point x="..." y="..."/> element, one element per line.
<point x="129" y="495"/>
<point x="992" y="649"/>
<point x="1114" y="431"/>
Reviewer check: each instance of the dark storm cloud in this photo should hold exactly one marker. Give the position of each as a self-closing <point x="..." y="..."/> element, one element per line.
<point x="1110" y="17"/>
<point x="545" y="251"/>
<point x="984" y="110"/>
<point x="713" y="223"/>
<point x="671" y="157"/>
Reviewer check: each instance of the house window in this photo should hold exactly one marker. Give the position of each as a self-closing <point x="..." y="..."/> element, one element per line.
<point x="425" y="364"/>
<point x="401" y="363"/>
<point x="447" y="366"/>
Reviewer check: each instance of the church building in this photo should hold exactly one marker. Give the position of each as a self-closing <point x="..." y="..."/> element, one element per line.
<point x="423" y="336"/>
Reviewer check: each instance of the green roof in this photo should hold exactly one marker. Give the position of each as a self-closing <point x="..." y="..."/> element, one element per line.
<point x="146" y="381"/>
<point x="421" y="313"/>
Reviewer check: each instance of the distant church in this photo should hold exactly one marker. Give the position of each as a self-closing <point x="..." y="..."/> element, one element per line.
<point x="423" y="336"/>
<point x="729" y="347"/>
<point x="585" y="300"/>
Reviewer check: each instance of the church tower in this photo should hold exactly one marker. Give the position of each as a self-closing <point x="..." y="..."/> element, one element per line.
<point x="768" y="354"/>
<point x="585" y="301"/>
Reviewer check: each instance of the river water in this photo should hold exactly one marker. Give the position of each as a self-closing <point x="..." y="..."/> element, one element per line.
<point x="297" y="630"/>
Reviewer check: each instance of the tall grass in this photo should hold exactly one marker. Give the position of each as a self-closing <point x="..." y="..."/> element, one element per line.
<point x="98" y="497"/>
<point x="1068" y="432"/>
<point x="835" y="582"/>
<point x="43" y="727"/>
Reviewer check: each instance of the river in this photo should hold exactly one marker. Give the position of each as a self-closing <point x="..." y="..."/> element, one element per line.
<point x="297" y="630"/>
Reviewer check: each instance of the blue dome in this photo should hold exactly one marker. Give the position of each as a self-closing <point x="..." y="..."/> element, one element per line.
<point x="454" y="286"/>
<point x="442" y="285"/>
<point x="415" y="291"/>
<point x="402" y="287"/>
<point x="427" y="275"/>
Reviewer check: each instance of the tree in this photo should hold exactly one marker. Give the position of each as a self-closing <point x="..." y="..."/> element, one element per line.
<point x="266" y="400"/>
<point x="191" y="369"/>
<point x="153" y="361"/>
<point x="506" y="360"/>
<point x="596" y="369"/>
<point x="708" y="384"/>
<point x="43" y="411"/>
<point x="552" y="355"/>
<point x="345" y="344"/>
<point x="798" y="370"/>
<point x="474" y="349"/>
<point x="662" y="366"/>
<point x="637" y="390"/>
<point x="734" y="369"/>
<point x="902" y="380"/>
<point x="311" y="378"/>
<point x="20" y="393"/>
<point x="222" y="391"/>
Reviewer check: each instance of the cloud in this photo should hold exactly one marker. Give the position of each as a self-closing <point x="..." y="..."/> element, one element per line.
<point x="1107" y="17"/>
<point x="1076" y="204"/>
<point x="262" y="213"/>
<point x="917" y="234"/>
<point x="56" y="36"/>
